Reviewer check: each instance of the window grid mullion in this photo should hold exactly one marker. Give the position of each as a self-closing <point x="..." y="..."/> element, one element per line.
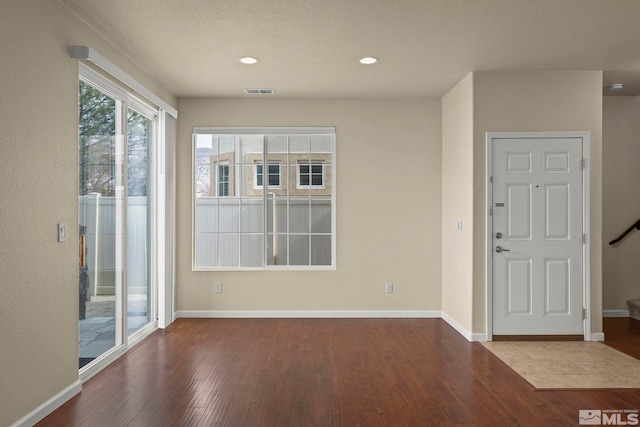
<point x="218" y="228"/>
<point x="265" y="203"/>
<point x="309" y="201"/>
<point x="240" y="197"/>
<point x="288" y="196"/>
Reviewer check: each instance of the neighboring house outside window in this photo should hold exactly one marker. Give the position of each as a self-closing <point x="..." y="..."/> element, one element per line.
<point x="223" y="179"/>
<point x="273" y="175"/>
<point x="310" y="174"/>
<point x="289" y="174"/>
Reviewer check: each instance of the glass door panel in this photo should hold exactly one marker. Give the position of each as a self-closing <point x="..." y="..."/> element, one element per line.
<point x="101" y="223"/>
<point x="139" y="295"/>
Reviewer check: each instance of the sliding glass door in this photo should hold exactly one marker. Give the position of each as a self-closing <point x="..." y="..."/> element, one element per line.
<point x="101" y="222"/>
<point x="116" y="282"/>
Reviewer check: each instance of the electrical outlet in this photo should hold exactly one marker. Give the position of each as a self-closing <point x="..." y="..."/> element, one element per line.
<point x="388" y="287"/>
<point x="218" y="287"/>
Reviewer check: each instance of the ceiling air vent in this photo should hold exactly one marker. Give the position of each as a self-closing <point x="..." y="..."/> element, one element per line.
<point x="260" y="91"/>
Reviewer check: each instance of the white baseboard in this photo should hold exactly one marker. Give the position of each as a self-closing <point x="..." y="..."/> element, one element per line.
<point x="479" y="337"/>
<point x="462" y="331"/>
<point x="597" y="336"/>
<point x="615" y="313"/>
<point x="38" y="414"/>
<point x="308" y="314"/>
<point x="332" y="314"/>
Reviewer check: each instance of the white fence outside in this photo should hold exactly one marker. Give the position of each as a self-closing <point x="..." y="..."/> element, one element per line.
<point x="229" y="232"/>
<point x="103" y="236"/>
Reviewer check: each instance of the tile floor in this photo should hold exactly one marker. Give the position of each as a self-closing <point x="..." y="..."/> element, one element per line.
<point x="573" y="365"/>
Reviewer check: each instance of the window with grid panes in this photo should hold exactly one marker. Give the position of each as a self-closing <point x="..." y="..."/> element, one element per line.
<point x="288" y="223"/>
<point x="273" y="173"/>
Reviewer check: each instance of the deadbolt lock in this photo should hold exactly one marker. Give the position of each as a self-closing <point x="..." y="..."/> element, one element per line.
<point x="498" y="235"/>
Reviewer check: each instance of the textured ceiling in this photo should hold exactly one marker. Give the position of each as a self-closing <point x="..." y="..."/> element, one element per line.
<point x="310" y="48"/>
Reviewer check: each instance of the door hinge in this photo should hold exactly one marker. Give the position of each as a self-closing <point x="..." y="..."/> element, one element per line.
<point x="490" y="211"/>
<point x="584" y="313"/>
<point x="491" y="179"/>
<point x="583" y="163"/>
<point x="584" y="238"/>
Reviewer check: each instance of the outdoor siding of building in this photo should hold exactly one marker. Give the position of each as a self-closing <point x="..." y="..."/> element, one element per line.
<point x="289" y="171"/>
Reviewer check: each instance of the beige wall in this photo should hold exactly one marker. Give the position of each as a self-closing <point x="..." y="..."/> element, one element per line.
<point x="39" y="138"/>
<point x="537" y="101"/>
<point x="388" y="208"/>
<point x="457" y="203"/>
<point x="620" y="200"/>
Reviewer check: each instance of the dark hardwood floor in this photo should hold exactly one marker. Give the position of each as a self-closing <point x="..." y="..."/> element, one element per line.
<point x="326" y="372"/>
<point x="623" y="334"/>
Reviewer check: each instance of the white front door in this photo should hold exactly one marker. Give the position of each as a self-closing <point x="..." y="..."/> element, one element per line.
<point x="537" y="236"/>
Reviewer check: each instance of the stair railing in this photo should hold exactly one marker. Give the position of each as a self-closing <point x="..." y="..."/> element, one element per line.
<point x="627" y="231"/>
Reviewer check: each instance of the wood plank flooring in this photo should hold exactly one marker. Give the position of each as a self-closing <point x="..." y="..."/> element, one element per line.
<point x="326" y="372"/>
<point x="623" y="334"/>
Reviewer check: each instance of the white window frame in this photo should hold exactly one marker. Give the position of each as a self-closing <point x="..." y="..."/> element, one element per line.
<point x="255" y="174"/>
<point x="267" y="195"/>
<point x="218" y="181"/>
<point x="311" y="174"/>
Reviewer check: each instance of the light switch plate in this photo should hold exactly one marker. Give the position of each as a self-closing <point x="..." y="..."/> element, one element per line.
<point x="62" y="232"/>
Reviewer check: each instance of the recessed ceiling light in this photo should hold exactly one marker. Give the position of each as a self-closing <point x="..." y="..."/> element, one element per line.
<point x="248" y="60"/>
<point x="616" y="86"/>
<point x="368" y="60"/>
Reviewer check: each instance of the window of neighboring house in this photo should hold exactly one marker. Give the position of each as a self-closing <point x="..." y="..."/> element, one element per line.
<point x="310" y="175"/>
<point x="223" y="179"/>
<point x="274" y="175"/>
<point x="289" y="223"/>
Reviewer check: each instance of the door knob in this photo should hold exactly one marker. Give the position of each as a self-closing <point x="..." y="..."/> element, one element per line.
<point x="501" y="249"/>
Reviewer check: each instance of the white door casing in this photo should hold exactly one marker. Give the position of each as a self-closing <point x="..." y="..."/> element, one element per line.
<point x="537" y="201"/>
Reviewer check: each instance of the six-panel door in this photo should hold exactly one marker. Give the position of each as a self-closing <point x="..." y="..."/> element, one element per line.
<point x="538" y="210"/>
